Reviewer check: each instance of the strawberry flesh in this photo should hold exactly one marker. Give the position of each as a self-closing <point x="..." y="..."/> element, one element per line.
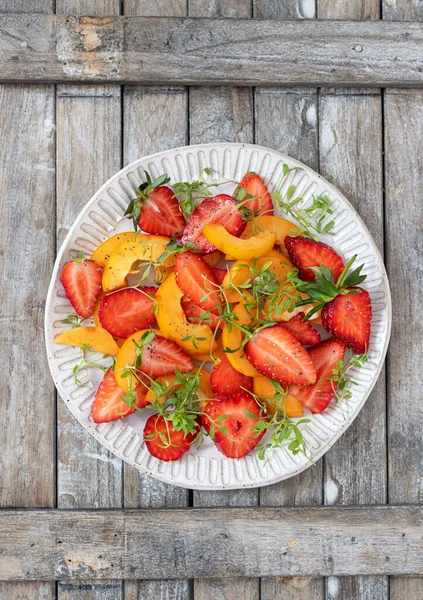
<point x="108" y="404"/>
<point x="127" y="311"/>
<point x="194" y="314"/>
<point x="219" y="210"/>
<point x="255" y="186"/>
<point x="163" y="357"/>
<point x="225" y="380"/>
<point x="82" y="282"/>
<point x="163" y="442"/>
<point x="197" y="280"/>
<point x="324" y="356"/>
<point x="302" y="330"/>
<point x="306" y="253"/>
<point x="347" y="317"/>
<point x="239" y="438"/>
<point x="276" y="353"/>
<point x="220" y="275"/>
<point x="160" y="213"/>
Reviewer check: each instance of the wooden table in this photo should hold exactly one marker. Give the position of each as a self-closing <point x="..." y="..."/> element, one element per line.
<point x="79" y="99"/>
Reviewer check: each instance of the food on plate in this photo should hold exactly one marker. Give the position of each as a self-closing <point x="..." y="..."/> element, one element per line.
<point x="221" y="319"/>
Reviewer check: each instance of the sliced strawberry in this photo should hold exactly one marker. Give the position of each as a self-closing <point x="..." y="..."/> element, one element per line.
<point x="160" y="213"/>
<point x="261" y="202"/>
<point x="225" y="380"/>
<point x="82" y="282"/>
<point x="221" y="210"/>
<point x="126" y="311"/>
<point x="194" y="314"/>
<point x="306" y="253"/>
<point x="163" y="442"/>
<point x="302" y="330"/>
<point x="239" y="436"/>
<point x="348" y="318"/>
<point x="163" y="357"/>
<point x="276" y="353"/>
<point x="197" y="280"/>
<point x="318" y="396"/>
<point x="220" y="275"/>
<point x="108" y="404"/>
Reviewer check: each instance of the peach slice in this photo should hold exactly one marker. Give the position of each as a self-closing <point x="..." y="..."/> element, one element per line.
<point x="96" y="337"/>
<point x="279" y="226"/>
<point x="254" y="247"/>
<point x="264" y="388"/>
<point x="232" y="339"/>
<point x="104" y="250"/>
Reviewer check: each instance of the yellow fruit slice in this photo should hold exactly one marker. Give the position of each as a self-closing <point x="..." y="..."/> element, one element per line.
<point x="174" y="325"/>
<point x="168" y="380"/>
<point x="279" y="226"/>
<point x="240" y="249"/>
<point x="126" y="357"/>
<point x="287" y="301"/>
<point x="241" y="271"/>
<point x="143" y="248"/>
<point x="96" y="338"/>
<point x="213" y="258"/>
<point x="233" y="339"/>
<point x="103" y="252"/>
<point x="264" y="388"/>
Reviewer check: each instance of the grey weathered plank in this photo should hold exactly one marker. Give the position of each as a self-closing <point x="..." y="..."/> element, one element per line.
<point x="223" y="114"/>
<point x="90" y="590"/>
<point x="95" y="8"/>
<point x="240" y="542"/>
<point x="144" y="135"/>
<point x="404" y="251"/>
<point x="287" y="121"/>
<point x="178" y="51"/>
<point x="27" y="123"/>
<point x="23" y="6"/>
<point x="356" y="9"/>
<point x="404" y="10"/>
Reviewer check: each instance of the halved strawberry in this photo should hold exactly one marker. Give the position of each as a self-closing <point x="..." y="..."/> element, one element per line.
<point x="235" y="414"/>
<point x="324" y="356"/>
<point x="163" y="442"/>
<point x="302" y="330"/>
<point x="220" y="275"/>
<point x="108" y="404"/>
<point x="197" y="280"/>
<point x="306" y="253"/>
<point x="126" y="311"/>
<point x="276" y="353"/>
<point x="221" y="210"/>
<point x="347" y="317"/>
<point x="255" y="186"/>
<point x="161" y="356"/>
<point x="193" y="312"/>
<point x="82" y="282"/>
<point x="160" y="213"/>
<point x="225" y="380"/>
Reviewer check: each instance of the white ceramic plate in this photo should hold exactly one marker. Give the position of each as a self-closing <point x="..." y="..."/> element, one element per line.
<point x="103" y="216"/>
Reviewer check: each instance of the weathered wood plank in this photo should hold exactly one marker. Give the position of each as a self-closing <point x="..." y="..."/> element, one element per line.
<point x="95" y="8"/>
<point x="240" y="542"/>
<point x="404" y="10"/>
<point x="356" y="9"/>
<point x="90" y="590"/>
<point x="144" y="135"/>
<point x="22" y="6"/>
<point x="177" y="51"/>
<point x="404" y="251"/>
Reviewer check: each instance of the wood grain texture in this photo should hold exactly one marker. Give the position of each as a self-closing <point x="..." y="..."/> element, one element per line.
<point x="27" y="590"/>
<point x="95" y="8"/>
<point x="402" y="10"/>
<point x="356" y="9"/>
<point x="177" y="51"/>
<point x="240" y="542"/>
<point x="285" y="9"/>
<point x="86" y="590"/>
<point x="23" y="6"/>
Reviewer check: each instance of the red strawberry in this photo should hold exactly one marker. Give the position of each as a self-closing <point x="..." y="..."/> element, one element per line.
<point x="126" y="311"/>
<point x="82" y="282"/>
<point x="306" y="253"/>
<point x="302" y="330"/>
<point x="220" y="275"/>
<point x="163" y="442"/>
<point x="324" y="356"/>
<point x="276" y="353"/>
<point x="225" y="380"/>
<point x="193" y="312"/>
<point x="197" y="280"/>
<point x="108" y="404"/>
<point x="238" y="438"/>
<point x="221" y="210"/>
<point x="255" y="186"/>
<point x="163" y="357"/>
<point x="160" y="213"/>
<point x="347" y="317"/>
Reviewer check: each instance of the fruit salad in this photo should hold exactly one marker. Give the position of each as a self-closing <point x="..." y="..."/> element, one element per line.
<point x="218" y="318"/>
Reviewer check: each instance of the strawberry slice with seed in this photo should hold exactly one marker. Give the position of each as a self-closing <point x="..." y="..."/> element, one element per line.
<point x="220" y="210"/>
<point x="160" y="214"/>
<point x="163" y="442"/>
<point x="161" y="356"/>
<point x="276" y="353"/>
<point x="261" y="201"/>
<point x="306" y="253"/>
<point x="108" y="404"/>
<point x="225" y="380"/>
<point x="196" y="314"/>
<point x="325" y="357"/>
<point x="197" y="280"/>
<point x="231" y="421"/>
<point x="302" y="330"/>
<point x="127" y="311"/>
<point x="81" y="279"/>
